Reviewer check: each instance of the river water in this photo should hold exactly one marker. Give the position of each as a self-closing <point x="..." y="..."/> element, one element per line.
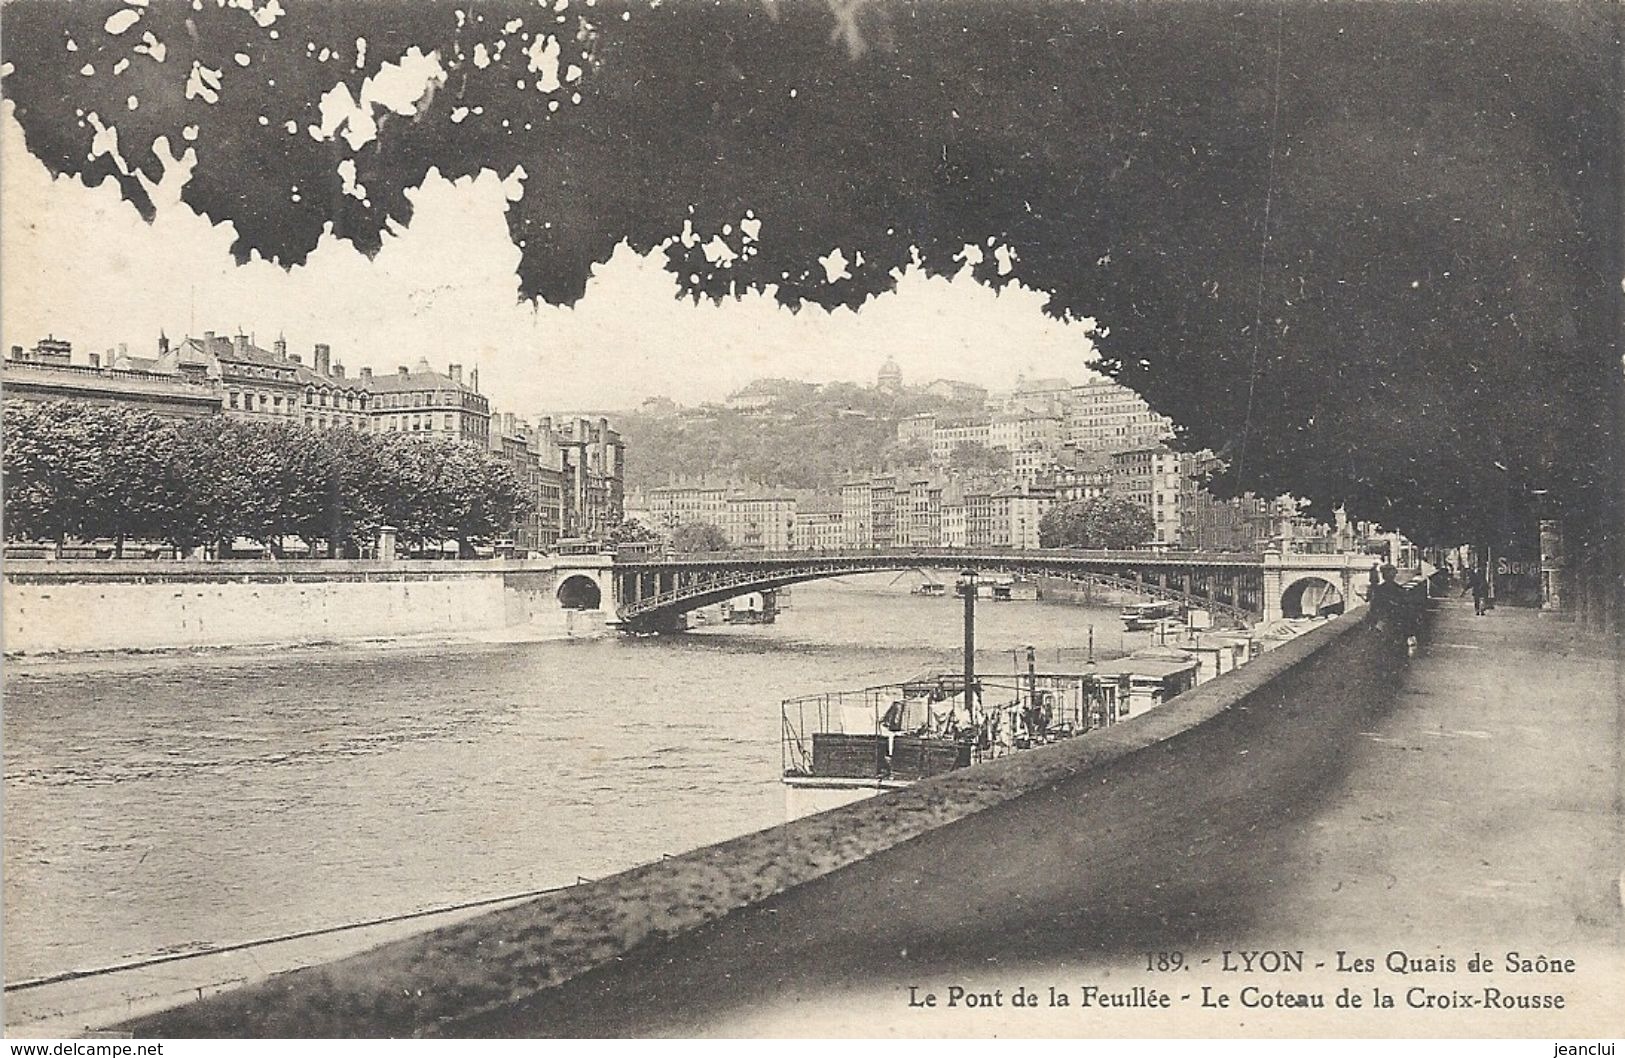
<point x="158" y="804"/>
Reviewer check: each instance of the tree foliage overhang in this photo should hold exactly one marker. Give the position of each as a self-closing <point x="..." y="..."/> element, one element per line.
<point x="1369" y="249"/>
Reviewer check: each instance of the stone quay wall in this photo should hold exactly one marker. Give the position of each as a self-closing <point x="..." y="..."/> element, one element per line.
<point x="104" y="605"/>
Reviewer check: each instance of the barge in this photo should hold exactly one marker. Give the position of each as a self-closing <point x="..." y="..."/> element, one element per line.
<point x="843" y="746"/>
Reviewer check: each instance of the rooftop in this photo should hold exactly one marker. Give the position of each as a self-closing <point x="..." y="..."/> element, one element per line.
<point x="419" y="377"/>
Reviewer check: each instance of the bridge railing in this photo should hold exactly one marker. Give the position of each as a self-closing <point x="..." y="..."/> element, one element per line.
<point x="720" y="578"/>
<point x="953" y="555"/>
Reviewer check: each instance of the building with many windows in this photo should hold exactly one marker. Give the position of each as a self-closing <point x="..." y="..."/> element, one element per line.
<point x="676" y="505"/>
<point x="1106" y="417"/>
<point x="944" y="439"/>
<point x="421" y="400"/>
<point x="818" y="530"/>
<point x="1045" y="397"/>
<point x="47" y="373"/>
<point x="921" y="513"/>
<point x="257" y="385"/>
<point x="1015" y="514"/>
<point x="883" y="512"/>
<point x="1015" y="432"/>
<point x="574" y="486"/>
<point x="750" y="522"/>
<point x="917" y="429"/>
<point x="594" y="466"/>
<point x="978" y="519"/>
<point x="759" y="523"/>
<point x="1073" y="483"/>
<point x="857" y="528"/>
<point x="954" y="529"/>
<point x="330" y="398"/>
<point x="1154" y="479"/>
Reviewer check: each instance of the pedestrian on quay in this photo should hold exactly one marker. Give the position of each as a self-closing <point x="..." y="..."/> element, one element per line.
<point x="1481" y="591"/>
<point x="1394" y="610"/>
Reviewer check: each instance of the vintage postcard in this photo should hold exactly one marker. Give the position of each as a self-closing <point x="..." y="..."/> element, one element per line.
<point x="812" y="518"/>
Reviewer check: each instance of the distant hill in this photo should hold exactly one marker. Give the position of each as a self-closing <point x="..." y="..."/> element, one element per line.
<point x="798" y="436"/>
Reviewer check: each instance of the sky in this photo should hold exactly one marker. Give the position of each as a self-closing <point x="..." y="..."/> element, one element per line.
<point x="81" y="264"/>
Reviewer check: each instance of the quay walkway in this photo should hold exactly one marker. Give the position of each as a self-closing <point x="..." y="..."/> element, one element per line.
<point x="1470" y="804"/>
<point x="1328" y="798"/>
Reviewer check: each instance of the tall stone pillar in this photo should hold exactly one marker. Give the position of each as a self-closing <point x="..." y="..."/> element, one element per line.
<point x="386" y="544"/>
<point x="1271" y="602"/>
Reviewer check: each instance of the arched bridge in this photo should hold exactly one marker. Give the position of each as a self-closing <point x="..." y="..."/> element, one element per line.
<point x="652" y="593"/>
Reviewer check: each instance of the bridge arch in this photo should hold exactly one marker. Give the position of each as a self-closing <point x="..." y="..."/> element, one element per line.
<point x="1311" y="596"/>
<point x="580" y="592"/>
<point x="651" y="594"/>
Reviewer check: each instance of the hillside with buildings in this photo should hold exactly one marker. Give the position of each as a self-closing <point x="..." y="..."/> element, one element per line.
<point x="784" y="464"/>
<point x="776" y="434"/>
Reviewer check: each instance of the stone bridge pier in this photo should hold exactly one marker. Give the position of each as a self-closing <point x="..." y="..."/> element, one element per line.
<point x="576" y="585"/>
<point x="1297" y="585"/>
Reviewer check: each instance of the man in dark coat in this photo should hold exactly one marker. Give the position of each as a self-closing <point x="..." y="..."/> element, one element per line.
<point x="1481" y="591"/>
<point x="1392" y="607"/>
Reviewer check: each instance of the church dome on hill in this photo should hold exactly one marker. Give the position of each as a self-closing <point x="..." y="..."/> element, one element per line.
<point x="891" y="376"/>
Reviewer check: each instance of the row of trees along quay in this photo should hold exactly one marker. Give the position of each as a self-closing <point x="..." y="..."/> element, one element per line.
<point x="77" y="471"/>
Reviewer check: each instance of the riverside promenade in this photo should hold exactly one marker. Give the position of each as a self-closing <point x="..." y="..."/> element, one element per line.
<point x="1474" y="807"/>
<point x="1466" y="802"/>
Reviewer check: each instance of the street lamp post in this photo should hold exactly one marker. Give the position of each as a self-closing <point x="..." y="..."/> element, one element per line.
<point x="968" y="583"/>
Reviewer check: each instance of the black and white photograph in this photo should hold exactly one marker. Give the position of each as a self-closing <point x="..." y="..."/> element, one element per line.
<point x="901" y="520"/>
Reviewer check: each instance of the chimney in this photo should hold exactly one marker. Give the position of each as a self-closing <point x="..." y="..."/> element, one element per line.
<point x="208" y="341"/>
<point x="124" y="348"/>
<point x="242" y="344"/>
<point x="281" y="347"/>
<point x="294" y="358"/>
<point x="509" y="429"/>
<point x="96" y="360"/>
<point x="324" y="358"/>
<point x="456" y="373"/>
<point x="163" y="343"/>
<point x="402" y="371"/>
<point x="338" y="370"/>
<point x="547" y="424"/>
<point x="16" y="352"/>
<point x="475" y="382"/>
<point x="366" y="374"/>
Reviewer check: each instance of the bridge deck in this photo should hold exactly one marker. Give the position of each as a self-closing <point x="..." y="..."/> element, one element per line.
<point x="650" y="590"/>
<point x="951" y="557"/>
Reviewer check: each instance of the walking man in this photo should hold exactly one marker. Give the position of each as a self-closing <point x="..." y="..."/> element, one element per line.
<point x="1480" y="590"/>
<point x="1391" y="607"/>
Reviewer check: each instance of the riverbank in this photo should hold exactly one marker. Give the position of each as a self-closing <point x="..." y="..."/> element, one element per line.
<point x="172" y="801"/>
<point x="585" y="625"/>
<point x="1465" y="803"/>
<point x="89" y="607"/>
<point x="492" y="975"/>
<point x="1327" y="797"/>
